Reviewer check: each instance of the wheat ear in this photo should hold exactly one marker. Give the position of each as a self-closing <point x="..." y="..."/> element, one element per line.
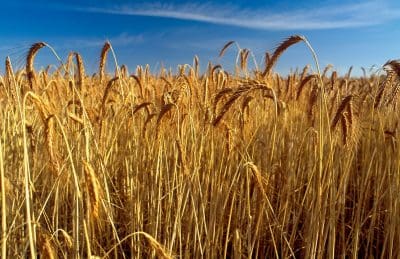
<point x="303" y="83"/>
<point x="81" y="70"/>
<point x="94" y="191"/>
<point x="196" y="65"/>
<point x="311" y="103"/>
<point x="29" y="62"/>
<point x="391" y="74"/>
<point x="10" y="78"/>
<point x="258" y="177"/>
<point x="138" y="107"/>
<point x="219" y="96"/>
<point x="226" y="107"/>
<point x="103" y="59"/>
<point x="46" y="245"/>
<point x="395" y="66"/>
<point x="329" y="66"/>
<point x="106" y="92"/>
<point x="164" y="110"/>
<point x="279" y="50"/>
<point x="244" y="54"/>
<point x="340" y="110"/>
<point x="124" y="71"/>
<point x="304" y="72"/>
<point x="50" y="136"/>
<point x="345" y="128"/>
<point x="225" y="47"/>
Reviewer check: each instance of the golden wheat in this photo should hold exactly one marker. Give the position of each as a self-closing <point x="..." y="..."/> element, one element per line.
<point x="188" y="163"/>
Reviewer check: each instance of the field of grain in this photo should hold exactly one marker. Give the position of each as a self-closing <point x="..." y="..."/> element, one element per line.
<point x="193" y="164"/>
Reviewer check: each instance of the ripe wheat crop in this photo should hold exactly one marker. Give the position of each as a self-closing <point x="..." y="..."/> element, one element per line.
<point x="214" y="164"/>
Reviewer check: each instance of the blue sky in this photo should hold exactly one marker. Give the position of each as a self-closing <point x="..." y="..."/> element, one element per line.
<point x="343" y="33"/>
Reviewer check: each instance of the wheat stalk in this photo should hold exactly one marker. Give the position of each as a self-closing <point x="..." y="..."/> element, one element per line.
<point x="159" y="249"/>
<point x="68" y="242"/>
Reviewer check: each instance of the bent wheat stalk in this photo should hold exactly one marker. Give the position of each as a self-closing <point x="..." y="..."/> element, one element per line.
<point x="159" y="249"/>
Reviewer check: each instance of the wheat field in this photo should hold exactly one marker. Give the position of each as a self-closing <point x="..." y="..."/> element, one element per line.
<point x="199" y="164"/>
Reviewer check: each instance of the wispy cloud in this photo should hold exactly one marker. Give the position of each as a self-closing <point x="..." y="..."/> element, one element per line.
<point x="372" y="12"/>
<point x="123" y="39"/>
